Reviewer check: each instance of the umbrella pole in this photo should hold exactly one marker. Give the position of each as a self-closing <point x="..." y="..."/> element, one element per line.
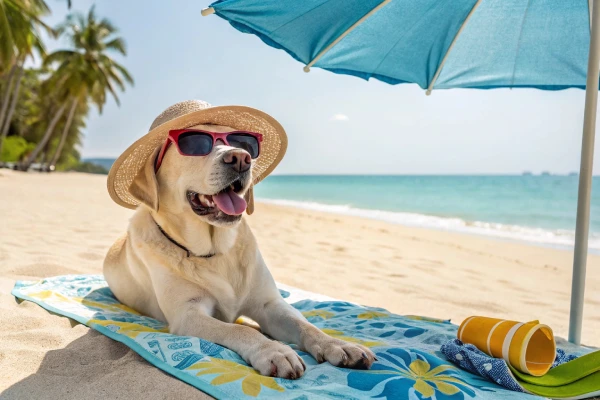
<point x="585" y="179"/>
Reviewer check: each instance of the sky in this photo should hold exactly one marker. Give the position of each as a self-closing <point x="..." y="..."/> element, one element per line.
<point x="336" y="124"/>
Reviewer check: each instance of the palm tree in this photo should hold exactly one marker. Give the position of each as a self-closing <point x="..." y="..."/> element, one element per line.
<point x="33" y="43"/>
<point x="9" y="78"/>
<point x="19" y="22"/>
<point x="86" y="72"/>
<point x="18" y="18"/>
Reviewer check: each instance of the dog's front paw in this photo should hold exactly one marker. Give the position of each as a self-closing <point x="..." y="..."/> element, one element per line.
<point x="278" y="360"/>
<point x="342" y="354"/>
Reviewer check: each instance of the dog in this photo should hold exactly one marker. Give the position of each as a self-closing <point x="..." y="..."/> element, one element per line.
<point x="188" y="263"/>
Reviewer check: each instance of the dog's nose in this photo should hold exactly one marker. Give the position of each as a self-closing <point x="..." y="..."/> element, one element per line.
<point x="239" y="160"/>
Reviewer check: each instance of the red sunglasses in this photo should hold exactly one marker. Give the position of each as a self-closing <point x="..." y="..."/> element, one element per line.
<point x="195" y="142"/>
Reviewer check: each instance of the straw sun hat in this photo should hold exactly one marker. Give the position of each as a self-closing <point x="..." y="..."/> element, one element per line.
<point x="190" y="113"/>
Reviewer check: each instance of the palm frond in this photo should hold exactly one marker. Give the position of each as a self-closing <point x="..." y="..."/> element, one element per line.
<point x="108" y="26"/>
<point x="7" y="50"/>
<point x="32" y="12"/>
<point x="91" y="17"/>
<point x="60" y="56"/>
<point x="123" y="72"/>
<point x="109" y="86"/>
<point x="117" y="44"/>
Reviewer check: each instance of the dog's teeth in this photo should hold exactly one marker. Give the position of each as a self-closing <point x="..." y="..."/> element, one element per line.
<point x="205" y="201"/>
<point x="209" y="201"/>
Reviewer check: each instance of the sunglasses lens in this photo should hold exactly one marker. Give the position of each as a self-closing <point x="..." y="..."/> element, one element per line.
<point x="245" y="142"/>
<point x="195" y="143"/>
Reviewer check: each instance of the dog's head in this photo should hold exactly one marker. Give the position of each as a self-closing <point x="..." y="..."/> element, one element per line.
<point x="210" y="187"/>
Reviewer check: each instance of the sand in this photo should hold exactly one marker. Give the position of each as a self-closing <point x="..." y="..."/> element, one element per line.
<point x="63" y="223"/>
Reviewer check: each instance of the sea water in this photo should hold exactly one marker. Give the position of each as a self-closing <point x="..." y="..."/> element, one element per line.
<point x="537" y="209"/>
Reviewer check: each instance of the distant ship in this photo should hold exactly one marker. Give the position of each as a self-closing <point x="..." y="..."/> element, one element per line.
<point x="573" y="173"/>
<point x="526" y="173"/>
<point x="545" y="173"/>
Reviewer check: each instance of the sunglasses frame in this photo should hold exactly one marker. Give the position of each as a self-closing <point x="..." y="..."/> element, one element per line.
<point x="173" y="138"/>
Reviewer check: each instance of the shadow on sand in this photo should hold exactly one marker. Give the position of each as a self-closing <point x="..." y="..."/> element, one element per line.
<point x="94" y="366"/>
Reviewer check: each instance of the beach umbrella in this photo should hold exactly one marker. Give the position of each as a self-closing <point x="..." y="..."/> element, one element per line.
<point x="444" y="44"/>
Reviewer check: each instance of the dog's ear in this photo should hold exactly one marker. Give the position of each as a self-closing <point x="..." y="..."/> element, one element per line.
<point x="249" y="197"/>
<point x="144" y="187"/>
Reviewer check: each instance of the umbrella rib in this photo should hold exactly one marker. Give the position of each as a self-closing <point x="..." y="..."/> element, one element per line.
<point x="346" y="32"/>
<point x="514" y="72"/>
<point x="439" y="68"/>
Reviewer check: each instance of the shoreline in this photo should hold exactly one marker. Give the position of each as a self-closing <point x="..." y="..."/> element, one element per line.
<point x="559" y="239"/>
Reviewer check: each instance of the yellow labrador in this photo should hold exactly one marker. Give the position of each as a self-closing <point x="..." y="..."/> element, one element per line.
<point x="189" y="259"/>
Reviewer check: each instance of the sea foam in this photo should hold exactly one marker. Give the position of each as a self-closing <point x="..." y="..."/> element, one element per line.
<point x="559" y="238"/>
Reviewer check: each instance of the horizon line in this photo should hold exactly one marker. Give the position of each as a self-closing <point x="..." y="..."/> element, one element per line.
<point x="522" y="173"/>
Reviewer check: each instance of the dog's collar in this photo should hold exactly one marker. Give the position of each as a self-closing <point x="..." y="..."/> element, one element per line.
<point x="189" y="253"/>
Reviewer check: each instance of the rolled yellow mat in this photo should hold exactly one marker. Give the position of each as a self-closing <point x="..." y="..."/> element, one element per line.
<point x="528" y="347"/>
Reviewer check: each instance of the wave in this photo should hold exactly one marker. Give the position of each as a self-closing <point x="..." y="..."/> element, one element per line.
<point x="559" y="238"/>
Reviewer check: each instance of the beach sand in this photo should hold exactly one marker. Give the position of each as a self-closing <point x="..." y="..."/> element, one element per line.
<point x="63" y="223"/>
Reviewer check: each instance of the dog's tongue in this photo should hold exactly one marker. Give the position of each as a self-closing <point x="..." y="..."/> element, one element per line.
<point x="230" y="202"/>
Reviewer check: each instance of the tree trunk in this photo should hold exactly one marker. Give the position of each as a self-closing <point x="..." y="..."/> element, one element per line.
<point x="65" y="133"/>
<point x="40" y="146"/>
<point x="14" y="100"/>
<point x="13" y="105"/>
<point x="6" y="97"/>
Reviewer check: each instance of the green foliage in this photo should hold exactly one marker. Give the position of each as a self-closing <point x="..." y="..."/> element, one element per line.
<point x="81" y="75"/>
<point x="35" y="109"/>
<point x="86" y="71"/>
<point x="88" y="167"/>
<point x="19" y="25"/>
<point x="15" y="148"/>
<point x="68" y="161"/>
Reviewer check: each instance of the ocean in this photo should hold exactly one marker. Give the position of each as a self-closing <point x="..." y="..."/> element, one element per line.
<point x="103" y="162"/>
<point x="537" y="209"/>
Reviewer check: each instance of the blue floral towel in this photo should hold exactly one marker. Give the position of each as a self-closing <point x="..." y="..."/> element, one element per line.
<point x="410" y="364"/>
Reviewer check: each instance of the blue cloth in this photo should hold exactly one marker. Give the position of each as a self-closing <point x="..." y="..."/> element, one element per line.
<point x="410" y="364"/>
<point x="505" y="43"/>
<point x="470" y="358"/>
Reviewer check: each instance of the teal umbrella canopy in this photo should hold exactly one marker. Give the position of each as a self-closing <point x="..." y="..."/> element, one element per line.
<point x="437" y="44"/>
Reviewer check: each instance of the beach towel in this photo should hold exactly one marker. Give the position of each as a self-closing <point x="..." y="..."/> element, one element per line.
<point x="410" y="364"/>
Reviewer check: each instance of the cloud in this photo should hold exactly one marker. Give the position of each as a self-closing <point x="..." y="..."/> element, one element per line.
<point x="339" y="117"/>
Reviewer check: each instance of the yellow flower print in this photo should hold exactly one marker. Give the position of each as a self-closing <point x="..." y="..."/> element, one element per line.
<point x="117" y="307"/>
<point x="426" y="319"/>
<point x="127" y="328"/>
<point x="318" y="313"/>
<point x="372" y="315"/>
<point x="401" y="371"/>
<point x="229" y="371"/>
<point x="51" y="297"/>
<point x="340" y="335"/>
<point x="424" y="378"/>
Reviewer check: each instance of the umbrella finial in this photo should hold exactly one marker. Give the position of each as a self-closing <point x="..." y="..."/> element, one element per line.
<point x="306" y="68"/>
<point x="428" y="92"/>
<point x="207" y="11"/>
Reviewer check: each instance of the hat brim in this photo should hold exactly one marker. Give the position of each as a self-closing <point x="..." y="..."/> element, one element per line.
<point x="133" y="159"/>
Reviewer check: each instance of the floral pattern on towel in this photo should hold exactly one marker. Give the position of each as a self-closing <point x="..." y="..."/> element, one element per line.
<point x="410" y="364"/>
